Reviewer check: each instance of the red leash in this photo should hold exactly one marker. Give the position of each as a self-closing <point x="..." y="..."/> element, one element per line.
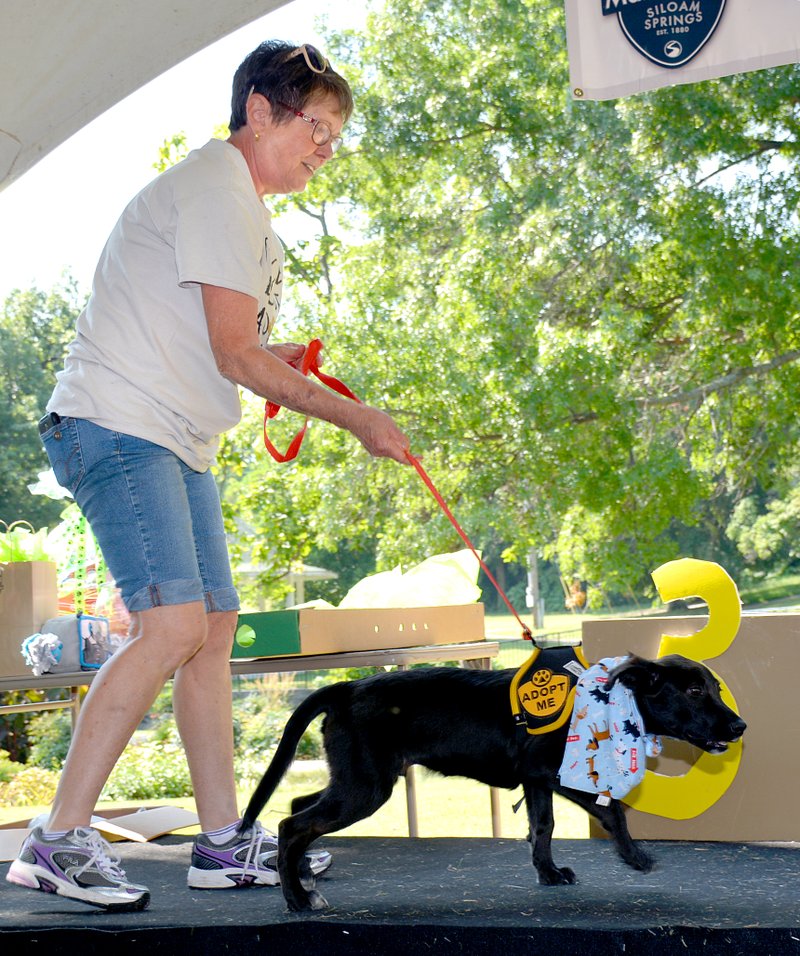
<point x="526" y="631"/>
<point x="311" y="366"/>
<point x="271" y="409"/>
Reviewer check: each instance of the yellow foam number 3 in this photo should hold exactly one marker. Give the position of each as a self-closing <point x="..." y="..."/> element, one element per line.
<point x="689" y="795"/>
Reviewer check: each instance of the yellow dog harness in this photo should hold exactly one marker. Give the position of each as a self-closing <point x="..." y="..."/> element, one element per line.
<point x="543" y="689"/>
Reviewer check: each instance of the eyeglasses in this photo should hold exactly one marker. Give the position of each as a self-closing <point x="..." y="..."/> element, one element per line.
<point x="315" y="61"/>
<point x="321" y="133"/>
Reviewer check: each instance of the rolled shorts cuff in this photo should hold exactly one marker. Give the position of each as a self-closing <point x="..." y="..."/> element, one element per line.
<point x="222" y="599"/>
<point x="183" y="592"/>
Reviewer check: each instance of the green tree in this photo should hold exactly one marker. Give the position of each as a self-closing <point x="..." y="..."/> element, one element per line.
<point x="766" y="528"/>
<point x="584" y="313"/>
<point x="35" y="327"/>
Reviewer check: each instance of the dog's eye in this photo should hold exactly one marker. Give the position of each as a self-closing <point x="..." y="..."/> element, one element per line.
<point x="695" y="691"/>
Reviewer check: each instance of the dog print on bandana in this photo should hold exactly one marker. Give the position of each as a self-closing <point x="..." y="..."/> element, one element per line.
<point x="607" y="744"/>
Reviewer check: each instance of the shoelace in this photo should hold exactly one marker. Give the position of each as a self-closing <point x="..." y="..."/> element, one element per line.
<point x="254" y="850"/>
<point x="100" y="857"/>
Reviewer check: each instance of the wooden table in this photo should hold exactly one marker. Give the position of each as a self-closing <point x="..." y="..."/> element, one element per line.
<point x="477" y="654"/>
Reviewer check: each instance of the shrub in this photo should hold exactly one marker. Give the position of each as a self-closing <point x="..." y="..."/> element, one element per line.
<point x="307" y="777"/>
<point x="49" y="735"/>
<point x="164" y="732"/>
<point x="154" y="766"/>
<point x="29" y="787"/>
<point x="8" y="767"/>
<point x="149" y="772"/>
<point x="249" y="768"/>
<point x="14" y="727"/>
<point x="261" y="715"/>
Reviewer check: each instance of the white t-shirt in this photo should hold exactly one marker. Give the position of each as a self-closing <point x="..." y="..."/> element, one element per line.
<point x="141" y="362"/>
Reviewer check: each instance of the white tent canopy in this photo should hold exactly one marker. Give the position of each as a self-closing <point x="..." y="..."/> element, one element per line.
<point x="64" y="63"/>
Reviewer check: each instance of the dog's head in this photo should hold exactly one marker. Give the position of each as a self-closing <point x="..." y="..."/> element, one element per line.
<point x="680" y="698"/>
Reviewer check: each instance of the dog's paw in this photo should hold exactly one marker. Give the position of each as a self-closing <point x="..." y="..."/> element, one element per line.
<point x="317" y="901"/>
<point x="308" y="901"/>
<point x="642" y="862"/>
<point x="557" y="877"/>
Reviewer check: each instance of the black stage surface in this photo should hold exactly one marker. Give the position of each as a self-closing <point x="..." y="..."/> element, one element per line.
<point x="472" y="896"/>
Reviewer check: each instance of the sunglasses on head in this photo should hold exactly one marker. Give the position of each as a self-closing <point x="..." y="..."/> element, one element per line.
<point x="315" y="61"/>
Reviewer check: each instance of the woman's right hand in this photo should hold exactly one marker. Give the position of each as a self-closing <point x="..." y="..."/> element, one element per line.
<point x="379" y="434"/>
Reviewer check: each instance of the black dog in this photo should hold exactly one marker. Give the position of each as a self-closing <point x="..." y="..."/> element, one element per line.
<point x="458" y="722"/>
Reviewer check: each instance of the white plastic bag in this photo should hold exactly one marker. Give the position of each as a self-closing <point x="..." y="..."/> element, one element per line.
<point x="441" y="580"/>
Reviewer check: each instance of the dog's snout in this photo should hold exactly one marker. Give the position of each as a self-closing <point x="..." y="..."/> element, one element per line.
<point x="738" y="727"/>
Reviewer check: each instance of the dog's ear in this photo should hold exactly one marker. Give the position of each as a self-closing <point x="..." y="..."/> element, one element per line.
<point x="639" y="675"/>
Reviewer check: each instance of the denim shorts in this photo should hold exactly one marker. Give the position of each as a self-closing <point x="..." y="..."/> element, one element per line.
<point x="158" y="522"/>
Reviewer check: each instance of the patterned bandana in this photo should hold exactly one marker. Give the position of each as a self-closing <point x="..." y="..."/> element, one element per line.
<point x="607" y="743"/>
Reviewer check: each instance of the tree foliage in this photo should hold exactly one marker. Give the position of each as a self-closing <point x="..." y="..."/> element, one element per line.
<point x="584" y="314"/>
<point x="35" y="327"/>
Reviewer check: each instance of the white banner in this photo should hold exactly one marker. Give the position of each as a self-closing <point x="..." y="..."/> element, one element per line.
<point x="617" y="47"/>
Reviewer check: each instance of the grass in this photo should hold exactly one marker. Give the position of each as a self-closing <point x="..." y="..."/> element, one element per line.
<point x="780" y="592"/>
<point x="449" y="806"/>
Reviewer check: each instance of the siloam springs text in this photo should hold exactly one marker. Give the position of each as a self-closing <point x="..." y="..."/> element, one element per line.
<point x="675" y="13"/>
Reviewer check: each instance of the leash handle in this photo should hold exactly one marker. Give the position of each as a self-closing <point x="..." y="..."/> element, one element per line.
<point x="310" y="365"/>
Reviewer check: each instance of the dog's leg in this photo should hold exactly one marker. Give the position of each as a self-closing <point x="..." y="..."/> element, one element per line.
<point x="337" y="807"/>
<point x="539" y="802"/>
<point x="612" y="819"/>
<point x="307" y="879"/>
<point x="303" y="802"/>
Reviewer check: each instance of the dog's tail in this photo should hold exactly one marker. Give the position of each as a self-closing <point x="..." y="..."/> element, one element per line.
<point x="315" y="704"/>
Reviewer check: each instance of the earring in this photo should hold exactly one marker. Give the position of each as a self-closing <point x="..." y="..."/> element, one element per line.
<point x="258" y="137"/>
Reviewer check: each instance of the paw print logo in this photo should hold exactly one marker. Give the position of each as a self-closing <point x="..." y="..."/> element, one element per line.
<point x="542" y="677"/>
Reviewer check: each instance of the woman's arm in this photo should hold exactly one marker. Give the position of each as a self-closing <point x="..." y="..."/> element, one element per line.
<point x="231" y="319"/>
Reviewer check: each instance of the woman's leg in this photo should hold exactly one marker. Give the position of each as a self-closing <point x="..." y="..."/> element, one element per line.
<point x="201" y="694"/>
<point x="162" y="638"/>
<point x="201" y="702"/>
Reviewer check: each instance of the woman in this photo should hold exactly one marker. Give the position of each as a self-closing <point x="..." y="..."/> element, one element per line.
<point x="185" y="295"/>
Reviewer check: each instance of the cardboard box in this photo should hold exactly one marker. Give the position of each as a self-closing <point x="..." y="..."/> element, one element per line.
<point x="29" y="597"/>
<point x="330" y="630"/>
<point x="760" y="668"/>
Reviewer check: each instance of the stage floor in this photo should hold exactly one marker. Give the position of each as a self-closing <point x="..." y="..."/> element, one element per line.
<point x="451" y="895"/>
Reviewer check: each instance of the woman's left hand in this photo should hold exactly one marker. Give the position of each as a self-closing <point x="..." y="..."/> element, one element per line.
<point x="292" y="353"/>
